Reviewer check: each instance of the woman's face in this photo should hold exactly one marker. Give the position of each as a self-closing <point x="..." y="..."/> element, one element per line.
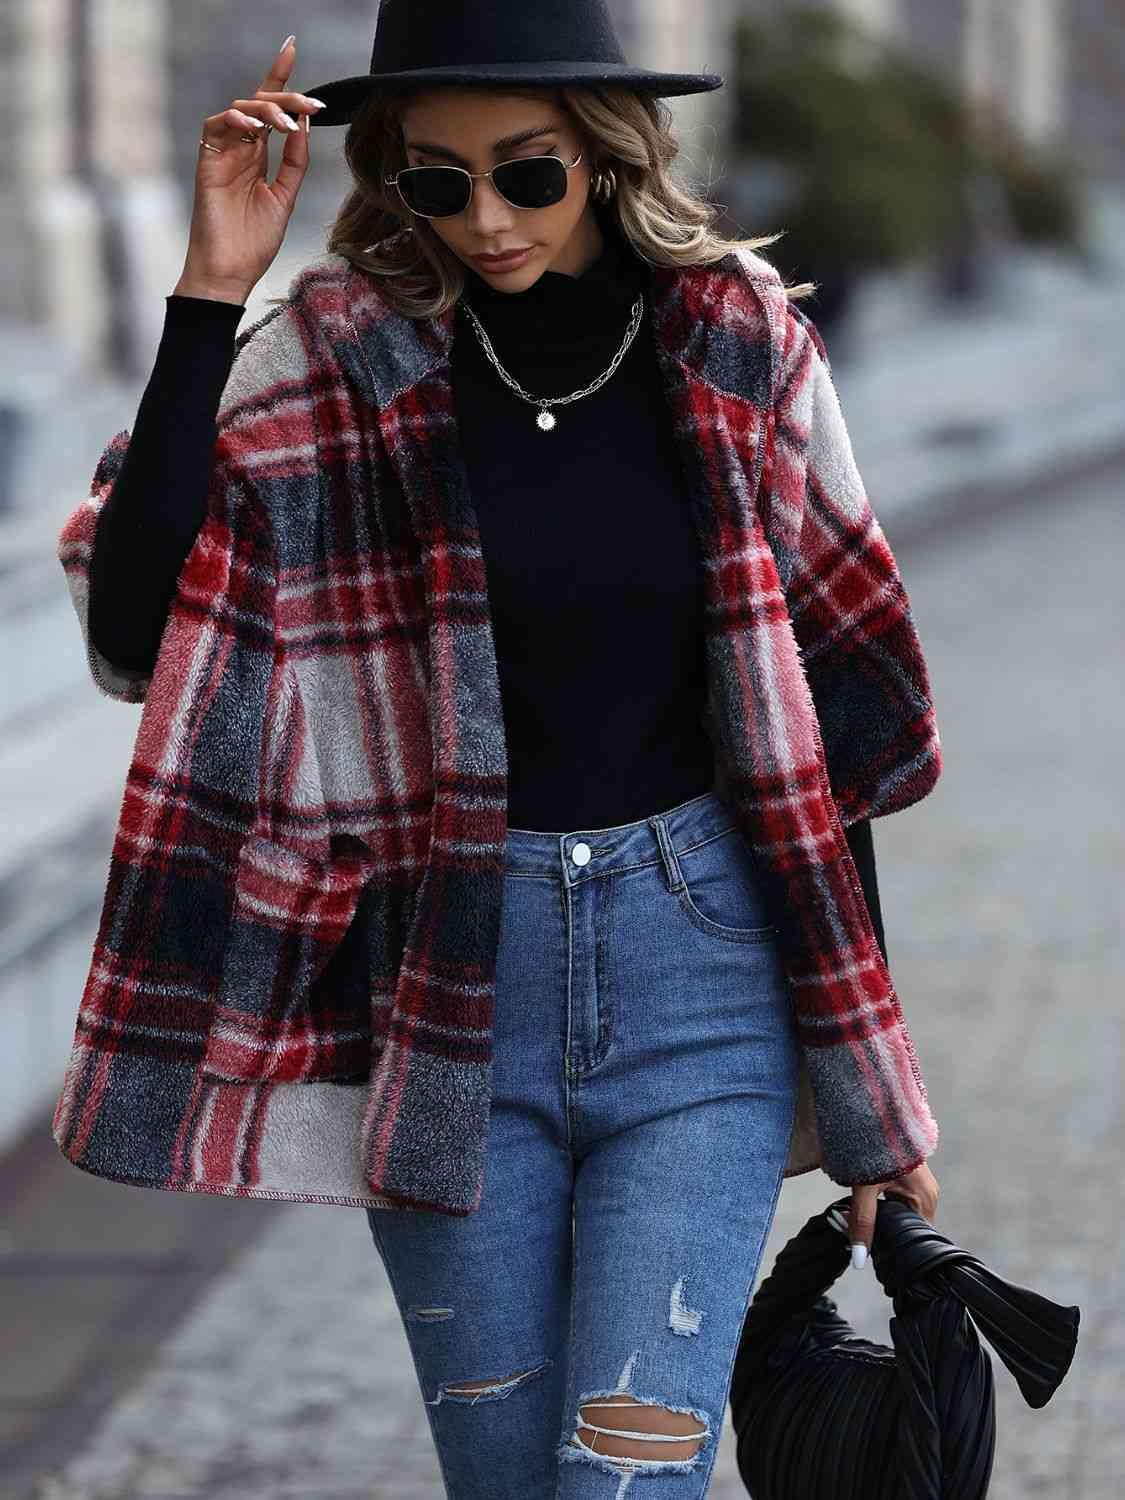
<point x="466" y="127"/>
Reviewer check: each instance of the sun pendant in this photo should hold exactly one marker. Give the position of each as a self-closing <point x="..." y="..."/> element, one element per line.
<point x="545" y="420"/>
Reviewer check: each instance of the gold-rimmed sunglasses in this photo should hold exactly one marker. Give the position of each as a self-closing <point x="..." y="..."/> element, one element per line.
<point x="524" y="182"/>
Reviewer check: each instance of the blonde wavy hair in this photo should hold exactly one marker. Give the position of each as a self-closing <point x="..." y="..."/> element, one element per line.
<point x="668" y="224"/>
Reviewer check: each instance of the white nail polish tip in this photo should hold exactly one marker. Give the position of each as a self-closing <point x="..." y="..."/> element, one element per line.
<point x="859" y="1255"/>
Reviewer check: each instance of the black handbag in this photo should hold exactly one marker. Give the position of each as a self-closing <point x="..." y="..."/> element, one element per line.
<point x="821" y="1414"/>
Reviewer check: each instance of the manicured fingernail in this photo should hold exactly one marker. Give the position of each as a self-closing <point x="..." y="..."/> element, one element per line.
<point x="320" y="104"/>
<point x="287" y="40"/>
<point x="859" y="1254"/>
<point x="290" y="123"/>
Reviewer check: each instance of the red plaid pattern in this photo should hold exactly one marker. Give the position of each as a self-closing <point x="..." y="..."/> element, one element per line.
<point x="292" y="985"/>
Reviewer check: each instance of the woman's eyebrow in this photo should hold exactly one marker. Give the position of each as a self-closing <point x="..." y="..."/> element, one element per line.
<point x="432" y="149"/>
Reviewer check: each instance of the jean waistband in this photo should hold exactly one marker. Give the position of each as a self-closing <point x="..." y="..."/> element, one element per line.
<point x="585" y="852"/>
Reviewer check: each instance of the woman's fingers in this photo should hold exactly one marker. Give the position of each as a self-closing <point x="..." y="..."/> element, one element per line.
<point x="240" y="117"/>
<point x="265" y="109"/>
<point x="289" y="99"/>
<point x="293" y="166"/>
<point x="280" y="68"/>
<point x="238" y="120"/>
<point x="918" y="1189"/>
<point x="861" y="1220"/>
<point x="251" y="114"/>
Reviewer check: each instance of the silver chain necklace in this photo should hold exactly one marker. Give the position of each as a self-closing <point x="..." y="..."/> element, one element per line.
<point x="545" y="421"/>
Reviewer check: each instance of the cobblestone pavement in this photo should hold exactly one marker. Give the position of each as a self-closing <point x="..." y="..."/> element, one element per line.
<point x="1003" y="901"/>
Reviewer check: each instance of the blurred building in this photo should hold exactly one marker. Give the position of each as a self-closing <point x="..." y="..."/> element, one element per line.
<point x="86" y="189"/>
<point x="1014" y="56"/>
<point x="678" y="36"/>
<point x="1095" y="85"/>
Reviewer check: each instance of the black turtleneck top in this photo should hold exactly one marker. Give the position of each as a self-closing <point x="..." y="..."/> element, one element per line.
<point x="591" y="555"/>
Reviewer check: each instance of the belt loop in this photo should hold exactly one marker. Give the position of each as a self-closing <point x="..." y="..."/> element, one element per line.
<point x="668" y="858"/>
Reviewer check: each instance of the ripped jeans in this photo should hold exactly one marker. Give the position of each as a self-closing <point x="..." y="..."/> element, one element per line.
<point x="575" y="1337"/>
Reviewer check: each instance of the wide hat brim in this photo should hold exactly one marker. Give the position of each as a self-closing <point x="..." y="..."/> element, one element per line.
<point x="344" y="96"/>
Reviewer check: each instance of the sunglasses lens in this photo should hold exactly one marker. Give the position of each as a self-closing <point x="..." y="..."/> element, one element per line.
<point x="434" y="191"/>
<point x="533" y="182"/>
<point x="438" y="192"/>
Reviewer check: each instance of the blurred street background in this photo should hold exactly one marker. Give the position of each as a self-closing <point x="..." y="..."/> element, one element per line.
<point x="952" y="173"/>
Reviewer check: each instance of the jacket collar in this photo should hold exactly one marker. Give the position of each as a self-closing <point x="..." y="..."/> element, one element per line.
<point x="702" y="317"/>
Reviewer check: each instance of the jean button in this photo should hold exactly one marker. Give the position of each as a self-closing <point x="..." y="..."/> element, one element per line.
<point x="580" y="854"/>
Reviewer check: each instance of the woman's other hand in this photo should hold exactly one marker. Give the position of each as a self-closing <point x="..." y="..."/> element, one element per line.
<point x="917" y="1187"/>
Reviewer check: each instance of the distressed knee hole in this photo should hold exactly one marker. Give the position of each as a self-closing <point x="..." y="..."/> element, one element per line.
<point x="644" y="1430"/>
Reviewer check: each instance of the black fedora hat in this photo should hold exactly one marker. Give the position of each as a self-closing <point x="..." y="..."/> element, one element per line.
<point x="549" y="43"/>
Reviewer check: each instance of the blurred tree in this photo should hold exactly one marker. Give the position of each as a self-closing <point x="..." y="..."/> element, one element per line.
<point x="882" y="154"/>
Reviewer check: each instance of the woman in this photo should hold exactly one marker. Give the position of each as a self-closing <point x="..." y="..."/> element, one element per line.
<point x="640" y="1074"/>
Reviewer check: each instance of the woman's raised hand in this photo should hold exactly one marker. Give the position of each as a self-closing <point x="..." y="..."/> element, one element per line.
<point x="239" y="217"/>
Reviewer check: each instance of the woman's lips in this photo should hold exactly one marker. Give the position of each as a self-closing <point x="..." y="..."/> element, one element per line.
<point x="505" y="263"/>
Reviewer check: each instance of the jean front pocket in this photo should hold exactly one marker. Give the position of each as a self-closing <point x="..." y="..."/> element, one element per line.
<point x="721" y="892"/>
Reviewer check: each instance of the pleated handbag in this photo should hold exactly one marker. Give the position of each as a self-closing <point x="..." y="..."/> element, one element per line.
<point x="821" y="1414"/>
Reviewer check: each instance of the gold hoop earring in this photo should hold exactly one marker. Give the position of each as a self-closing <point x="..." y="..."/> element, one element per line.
<point x="604" y="185"/>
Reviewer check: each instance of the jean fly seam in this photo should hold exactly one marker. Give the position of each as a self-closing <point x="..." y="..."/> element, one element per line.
<point x="603" y="969"/>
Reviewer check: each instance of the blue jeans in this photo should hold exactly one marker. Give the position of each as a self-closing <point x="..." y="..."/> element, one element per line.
<point x="644" y="1080"/>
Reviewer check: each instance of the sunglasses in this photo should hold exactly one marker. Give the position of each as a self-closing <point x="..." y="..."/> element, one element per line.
<point x="441" y="192"/>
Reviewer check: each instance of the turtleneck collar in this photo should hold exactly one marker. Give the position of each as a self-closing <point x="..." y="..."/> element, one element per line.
<point x="611" y="282"/>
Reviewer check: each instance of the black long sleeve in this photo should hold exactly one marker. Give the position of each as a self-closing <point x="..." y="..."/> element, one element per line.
<point x="153" y="514"/>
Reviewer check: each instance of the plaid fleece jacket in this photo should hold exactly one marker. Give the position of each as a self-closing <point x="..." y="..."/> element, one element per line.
<point x="291" y="989"/>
